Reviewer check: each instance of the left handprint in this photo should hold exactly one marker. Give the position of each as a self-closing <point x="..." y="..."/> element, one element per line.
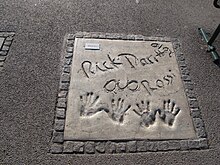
<point x="89" y="103"/>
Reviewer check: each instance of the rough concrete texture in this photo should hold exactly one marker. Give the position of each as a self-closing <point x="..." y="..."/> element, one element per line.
<point x="29" y="81"/>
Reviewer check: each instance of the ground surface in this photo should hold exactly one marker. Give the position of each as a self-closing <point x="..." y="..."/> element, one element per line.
<point x="30" y="78"/>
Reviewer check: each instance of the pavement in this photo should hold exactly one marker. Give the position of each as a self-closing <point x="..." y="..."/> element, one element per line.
<point x="29" y="82"/>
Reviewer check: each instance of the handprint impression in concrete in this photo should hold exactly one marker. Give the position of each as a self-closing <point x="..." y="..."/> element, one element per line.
<point x="90" y="106"/>
<point x="147" y="115"/>
<point x="118" y="110"/>
<point x="169" y="112"/>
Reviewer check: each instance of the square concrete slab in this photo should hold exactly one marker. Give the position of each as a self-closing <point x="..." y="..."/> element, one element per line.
<point x="124" y="90"/>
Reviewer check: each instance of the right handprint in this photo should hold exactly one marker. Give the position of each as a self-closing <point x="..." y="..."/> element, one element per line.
<point x="169" y="112"/>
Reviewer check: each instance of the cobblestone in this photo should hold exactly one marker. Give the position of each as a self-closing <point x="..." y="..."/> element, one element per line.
<point x="193" y="144"/>
<point x="60" y="113"/>
<point x="56" y="148"/>
<point x="174" y="145"/>
<point x="3" y="53"/>
<point x="196" y="113"/>
<point x="151" y="146"/>
<point x="203" y="143"/>
<point x="131" y="146"/>
<point x="184" y="145"/>
<point x="100" y="147"/>
<point x="78" y="147"/>
<point x="163" y="146"/>
<point x="198" y="123"/>
<point x="62" y="94"/>
<point x="120" y="147"/>
<point x="66" y="69"/>
<point x="201" y="133"/>
<point x="57" y="137"/>
<point x="90" y="147"/>
<point x="61" y="103"/>
<point x="68" y="147"/>
<point x="141" y="146"/>
<point x="59" y="125"/>
<point x="110" y="147"/>
<point x="65" y="77"/>
<point x="64" y="86"/>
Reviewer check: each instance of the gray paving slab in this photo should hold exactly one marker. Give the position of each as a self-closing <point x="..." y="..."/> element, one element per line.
<point x="29" y="82"/>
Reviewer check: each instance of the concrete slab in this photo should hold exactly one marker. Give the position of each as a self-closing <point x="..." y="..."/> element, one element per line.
<point x="126" y="90"/>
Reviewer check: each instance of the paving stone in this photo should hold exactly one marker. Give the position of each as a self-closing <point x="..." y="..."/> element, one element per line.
<point x="198" y="123"/>
<point x="190" y="93"/>
<point x="120" y="147"/>
<point x="201" y="133"/>
<point x="60" y="113"/>
<point x="67" y="69"/>
<point x="90" y="147"/>
<point x="62" y="94"/>
<point x="56" y="148"/>
<point x="184" y="145"/>
<point x="189" y="85"/>
<point x="110" y="147"/>
<point x="186" y="78"/>
<point x="61" y="103"/>
<point x="59" y="125"/>
<point x="78" y="147"/>
<point x="5" y="48"/>
<point x="203" y="143"/>
<point x="193" y="144"/>
<point x="151" y="146"/>
<point x="64" y="86"/>
<point x="65" y="77"/>
<point x="2" y="58"/>
<point x="131" y="146"/>
<point x="68" y="147"/>
<point x="193" y="103"/>
<point x="70" y="43"/>
<point x="141" y="146"/>
<point x="196" y="113"/>
<point x="163" y="146"/>
<point x="57" y="137"/>
<point x="100" y="147"/>
<point x="71" y="36"/>
<point x="3" y="53"/>
<point x="10" y="38"/>
<point x="69" y="49"/>
<point x="68" y="55"/>
<point x="68" y="61"/>
<point x="7" y="43"/>
<point x="174" y="145"/>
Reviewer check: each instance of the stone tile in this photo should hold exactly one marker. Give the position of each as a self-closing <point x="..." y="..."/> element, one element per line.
<point x="106" y="85"/>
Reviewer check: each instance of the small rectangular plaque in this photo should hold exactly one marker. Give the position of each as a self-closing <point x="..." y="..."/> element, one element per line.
<point x="129" y="90"/>
<point x="91" y="46"/>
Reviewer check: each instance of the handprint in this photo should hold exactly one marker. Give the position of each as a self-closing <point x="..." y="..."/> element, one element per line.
<point x="147" y="115"/>
<point x="89" y="104"/>
<point x="118" y="110"/>
<point x="169" y="112"/>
